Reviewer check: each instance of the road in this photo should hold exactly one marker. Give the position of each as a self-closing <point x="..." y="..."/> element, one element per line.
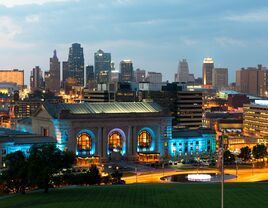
<point x="244" y="175"/>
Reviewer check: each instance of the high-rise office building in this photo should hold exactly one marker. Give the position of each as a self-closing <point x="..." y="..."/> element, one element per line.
<point x="90" y="77"/>
<point x="52" y="78"/>
<point x="220" y="78"/>
<point x="75" y="66"/>
<point x="252" y="81"/>
<point x="140" y="75"/>
<point x="15" y="76"/>
<point x="36" y="79"/>
<point x="126" y="70"/>
<point x="90" y="73"/>
<point x="183" y="71"/>
<point x="208" y="66"/>
<point x="255" y="123"/>
<point x="102" y="63"/>
<point x="154" y="77"/>
<point x="64" y="70"/>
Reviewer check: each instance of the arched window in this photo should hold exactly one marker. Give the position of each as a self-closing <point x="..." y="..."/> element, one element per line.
<point x="84" y="143"/>
<point x="144" y="139"/>
<point x="115" y="141"/>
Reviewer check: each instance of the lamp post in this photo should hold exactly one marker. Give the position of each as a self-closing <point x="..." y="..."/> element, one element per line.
<point x="163" y="167"/>
<point x="236" y="166"/>
<point x="136" y="170"/>
<point x="222" y="168"/>
<point x="222" y="176"/>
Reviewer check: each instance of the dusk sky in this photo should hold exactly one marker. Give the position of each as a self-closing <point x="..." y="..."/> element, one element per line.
<point x="154" y="34"/>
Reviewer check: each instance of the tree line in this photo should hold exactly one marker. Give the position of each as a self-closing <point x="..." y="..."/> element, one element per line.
<point x="259" y="151"/>
<point x="45" y="167"/>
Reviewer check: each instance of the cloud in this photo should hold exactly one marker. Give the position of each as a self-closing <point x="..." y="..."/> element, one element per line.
<point x="12" y="3"/>
<point x="229" y="42"/>
<point x="255" y="16"/>
<point x="32" y="18"/>
<point x="8" y="32"/>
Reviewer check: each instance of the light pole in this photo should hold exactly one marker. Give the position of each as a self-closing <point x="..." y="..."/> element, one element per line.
<point x="136" y="170"/>
<point x="252" y="167"/>
<point x="163" y="167"/>
<point x="222" y="169"/>
<point x="236" y="166"/>
<point x="222" y="176"/>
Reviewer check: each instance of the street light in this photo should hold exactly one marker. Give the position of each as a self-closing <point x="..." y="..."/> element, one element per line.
<point x="136" y="171"/>
<point x="163" y="167"/>
<point x="222" y="168"/>
<point x="236" y="166"/>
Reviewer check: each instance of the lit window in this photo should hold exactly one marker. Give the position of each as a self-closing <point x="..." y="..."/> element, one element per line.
<point x="84" y="143"/>
<point x="145" y="139"/>
<point x="115" y="141"/>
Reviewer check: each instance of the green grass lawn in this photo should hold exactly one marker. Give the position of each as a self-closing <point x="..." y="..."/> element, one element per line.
<point x="251" y="195"/>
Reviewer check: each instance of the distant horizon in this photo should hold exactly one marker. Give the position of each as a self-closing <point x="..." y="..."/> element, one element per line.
<point x="155" y="35"/>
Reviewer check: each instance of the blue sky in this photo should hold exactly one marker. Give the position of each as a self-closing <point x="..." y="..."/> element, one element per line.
<point x="154" y="34"/>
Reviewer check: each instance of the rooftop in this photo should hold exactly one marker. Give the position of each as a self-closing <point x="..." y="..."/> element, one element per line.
<point x="188" y="133"/>
<point x="97" y="108"/>
<point x="19" y="137"/>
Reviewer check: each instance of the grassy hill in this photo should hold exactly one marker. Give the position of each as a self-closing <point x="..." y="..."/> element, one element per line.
<point x="244" y="195"/>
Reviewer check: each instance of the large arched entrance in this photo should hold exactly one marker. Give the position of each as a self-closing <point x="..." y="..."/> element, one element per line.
<point x="146" y="146"/>
<point x="145" y="140"/>
<point x="116" y="143"/>
<point x="85" y="148"/>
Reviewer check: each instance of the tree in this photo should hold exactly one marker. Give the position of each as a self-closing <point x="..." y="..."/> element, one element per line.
<point x="116" y="177"/>
<point x="259" y="151"/>
<point x="228" y="157"/>
<point x="93" y="176"/>
<point x="44" y="161"/>
<point x="245" y="153"/>
<point x="14" y="177"/>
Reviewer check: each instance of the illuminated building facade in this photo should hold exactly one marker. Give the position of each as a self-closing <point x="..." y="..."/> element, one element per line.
<point x="255" y="121"/>
<point x="105" y="130"/>
<point x="208" y="66"/>
<point x="15" y="76"/>
<point x="12" y="141"/>
<point x="192" y="143"/>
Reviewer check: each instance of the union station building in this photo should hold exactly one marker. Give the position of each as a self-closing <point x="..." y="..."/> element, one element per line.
<point x="106" y="131"/>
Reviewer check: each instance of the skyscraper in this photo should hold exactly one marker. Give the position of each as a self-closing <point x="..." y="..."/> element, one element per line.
<point x="208" y="66"/>
<point x="183" y="71"/>
<point x="220" y="78"/>
<point x="75" y="66"/>
<point x="89" y="73"/>
<point x="36" y="79"/>
<point x="126" y="69"/>
<point x="252" y="81"/>
<point x="102" y="65"/>
<point x="52" y="78"/>
<point x="90" y="77"/>
<point x="140" y="75"/>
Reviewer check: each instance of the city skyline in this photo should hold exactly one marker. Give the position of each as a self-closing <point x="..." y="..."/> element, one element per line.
<point x="153" y="34"/>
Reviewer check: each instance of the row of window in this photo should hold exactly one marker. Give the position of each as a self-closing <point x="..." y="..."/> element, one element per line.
<point x="115" y="141"/>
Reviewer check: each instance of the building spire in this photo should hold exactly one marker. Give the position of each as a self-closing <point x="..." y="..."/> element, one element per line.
<point x="54" y="54"/>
